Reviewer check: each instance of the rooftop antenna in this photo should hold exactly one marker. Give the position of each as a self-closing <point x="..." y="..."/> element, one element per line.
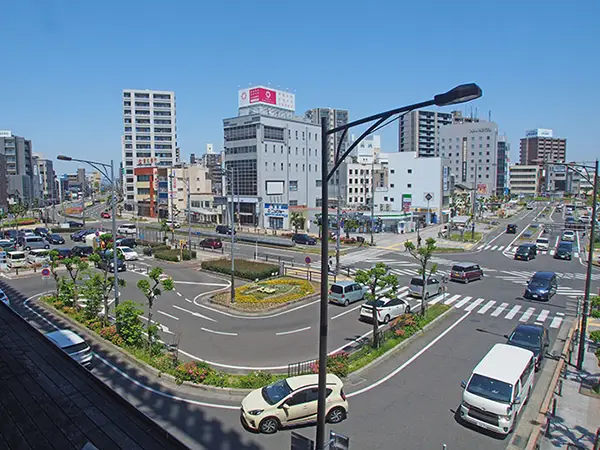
<point x="490" y="115"/>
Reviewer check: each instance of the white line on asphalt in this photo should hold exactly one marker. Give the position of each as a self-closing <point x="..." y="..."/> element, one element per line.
<point x="463" y="302"/>
<point x="487" y="247"/>
<point x="556" y="322"/>
<point x="168" y="315"/>
<point x="452" y="299"/>
<point x="282" y="333"/>
<point x="188" y="300"/>
<point x="543" y="316"/>
<point x="411" y="360"/>
<point x="525" y="317"/>
<point x="438" y="299"/>
<point x="475" y="304"/>
<point x="224" y="333"/>
<point x="500" y="248"/>
<point x="179" y="294"/>
<point x="513" y="312"/>
<point x="487" y="306"/>
<point x="501" y="234"/>
<point x="201" y="284"/>
<point x="193" y="313"/>
<point x="35" y="312"/>
<point x="346" y="312"/>
<point x="494" y="248"/>
<point x="499" y="310"/>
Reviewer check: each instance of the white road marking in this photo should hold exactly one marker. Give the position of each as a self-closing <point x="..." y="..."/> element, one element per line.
<point x="201" y="284"/>
<point x="487" y="247"/>
<point x="480" y="247"/>
<point x="543" y="316"/>
<point x="475" y="304"/>
<point x="556" y="322"/>
<point x="411" y="360"/>
<point x="193" y="313"/>
<point x="500" y="248"/>
<point x="438" y="299"/>
<point x="487" y="306"/>
<point x="494" y="248"/>
<point x="235" y="316"/>
<point x="224" y="333"/>
<point x="188" y="300"/>
<point x="179" y="294"/>
<point x="452" y="299"/>
<point x="513" y="312"/>
<point x="463" y="302"/>
<point x="499" y="310"/>
<point x="282" y="333"/>
<point x="346" y="312"/>
<point x="525" y="317"/>
<point x="168" y="315"/>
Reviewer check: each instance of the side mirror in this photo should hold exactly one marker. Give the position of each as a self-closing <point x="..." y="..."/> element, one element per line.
<point x="463" y="384"/>
<point x="517" y="401"/>
<point x="506" y="336"/>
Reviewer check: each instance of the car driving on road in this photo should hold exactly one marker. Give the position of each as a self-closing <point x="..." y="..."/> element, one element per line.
<point x="387" y="308"/>
<point x="511" y="228"/>
<point x="465" y="272"/>
<point x="224" y="229"/>
<point x="432" y="287"/>
<point x="525" y="252"/>
<point x="542" y="243"/>
<point x="213" y="243"/>
<point x="346" y="292"/>
<point x="128" y="253"/>
<point x="304" y="239"/>
<point x="531" y="336"/>
<point x="541" y="286"/>
<point x="564" y="250"/>
<point x="73" y="345"/>
<point x="55" y="239"/>
<point x="105" y="215"/>
<point x="568" y="235"/>
<point x="127" y="228"/>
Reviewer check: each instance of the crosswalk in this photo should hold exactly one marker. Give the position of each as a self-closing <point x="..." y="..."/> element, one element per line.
<point x="523" y="276"/>
<point x="511" y="249"/>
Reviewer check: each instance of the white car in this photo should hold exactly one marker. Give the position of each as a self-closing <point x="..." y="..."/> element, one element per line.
<point x="387" y="309"/>
<point x="127" y="228"/>
<point x="129" y="254"/>
<point x="542" y="244"/>
<point x="173" y="224"/>
<point x="292" y="401"/>
<point x="73" y="345"/>
<point x="585" y="219"/>
<point x="568" y="236"/>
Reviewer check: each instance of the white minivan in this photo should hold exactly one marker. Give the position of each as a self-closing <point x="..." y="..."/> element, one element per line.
<point x="39" y="256"/>
<point x="16" y="259"/>
<point x="127" y="228"/>
<point x="498" y="388"/>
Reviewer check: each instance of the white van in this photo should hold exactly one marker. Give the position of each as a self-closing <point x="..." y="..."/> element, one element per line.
<point x="16" y="259"/>
<point x="127" y="228"/>
<point x="498" y="388"/>
<point x="39" y="256"/>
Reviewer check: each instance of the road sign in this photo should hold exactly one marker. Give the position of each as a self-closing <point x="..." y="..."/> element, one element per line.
<point x="97" y="233"/>
<point x="428" y="196"/>
<point x="45" y="272"/>
<point x="307" y="260"/>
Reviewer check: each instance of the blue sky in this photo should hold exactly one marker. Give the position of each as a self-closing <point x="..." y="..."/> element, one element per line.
<point x="65" y="63"/>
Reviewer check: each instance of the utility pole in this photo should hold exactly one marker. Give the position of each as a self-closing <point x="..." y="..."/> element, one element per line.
<point x="83" y="206"/>
<point x="189" y="218"/>
<point x="172" y="197"/>
<point x="372" y="195"/>
<point x="339" y="230"/>
<point x="474" y="202"/>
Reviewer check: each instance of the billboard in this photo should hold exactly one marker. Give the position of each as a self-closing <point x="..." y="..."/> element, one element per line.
<point x="265" y="96"/>
<point x="559" y="169"/>
<point x="5" y="133"/>
<point x="276" y="210"/>
<point x="482" y="189"/>
<point x="539" y="132"/>
<point x="406" y="202"/>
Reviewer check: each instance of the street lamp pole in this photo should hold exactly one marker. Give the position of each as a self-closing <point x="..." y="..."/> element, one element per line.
<point x="372" y="195"/>
<point x="460" y="94"/>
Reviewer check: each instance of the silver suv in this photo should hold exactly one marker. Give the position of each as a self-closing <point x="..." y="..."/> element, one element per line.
<point x="346" y="292"/>
<point x="433" y="287"/>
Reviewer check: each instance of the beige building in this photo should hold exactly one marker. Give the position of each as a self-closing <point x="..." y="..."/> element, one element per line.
<point x="525" y="179"/>
<point x="201" y="195"/>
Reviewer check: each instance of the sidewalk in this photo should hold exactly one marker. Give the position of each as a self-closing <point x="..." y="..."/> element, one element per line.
<point x="577" y="418"/>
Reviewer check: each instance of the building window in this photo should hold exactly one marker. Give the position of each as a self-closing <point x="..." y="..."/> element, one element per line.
<point x="319" y="201"/>
<point x="409" y="185"/>
<point x="309" y="167"/>
<point x="303" y="167"/>
<point x="349" y="180"/>
<point x="293" y="202"/>
<point x="391" y="199"/>
<point x="281" y="166"/>
<point x="392" y="171"/>
<point x="350" y="172"/>
<point x="303" y="135"/>
<point x="350" y="190"/>
<point x="303" y="151"/>
<point x="318" y="183"/>
<point x="392" y="185"/>
<point x="487" y="145"/>
<point x="282" y="149"/>
<point x="385" y="199"/>
<point x="296" y="167"/>
<point x="409" y="170"/>
<point x="296" y="134"/>
<point x="273" y="148"/>
<point x="296" y="151"/>
<point x="266" y="166"/>
<point x="273" y="166"/>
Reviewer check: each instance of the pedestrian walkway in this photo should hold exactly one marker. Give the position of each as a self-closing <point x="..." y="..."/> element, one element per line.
<point x="511" y="249"/>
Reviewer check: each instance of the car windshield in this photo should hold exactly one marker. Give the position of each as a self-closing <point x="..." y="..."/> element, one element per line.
<point x="417" y="281"/>
<point x="542" y="241"/>
<point x="70" y="349"/>
<point x="458" y="269"/>
<point x="538" y="282"/>
<point x="524" y="338"/>
<point x="125" y="250"/>
<point x="337" y="289"/>
<point x="565" y="246"/>
<point x="276" y="392"/>
<point x="378" y="303"/>
<point x="523" y="250"/>
<point x="490" y="388"/>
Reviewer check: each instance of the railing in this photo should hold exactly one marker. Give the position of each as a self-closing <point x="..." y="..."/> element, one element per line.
<point x="301" y="368"/>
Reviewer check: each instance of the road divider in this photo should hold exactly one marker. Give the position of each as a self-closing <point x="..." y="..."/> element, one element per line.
<point x="283" y="333"/>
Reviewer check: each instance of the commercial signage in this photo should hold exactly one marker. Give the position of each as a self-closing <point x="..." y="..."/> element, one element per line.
<point x="141" y="162"/>
<point x="559" y="169"/>
<point x="446" y="178"/>
<point x="406" y="202"/>
<point x="276" y="210"/>
<point x="539" y="132"/>
<point x="5" y="133"/>
<point x="480" y="130"/>
<point x="262" y="95"/>
<point x="482" y="189"/>
<point x="428" y="196"/>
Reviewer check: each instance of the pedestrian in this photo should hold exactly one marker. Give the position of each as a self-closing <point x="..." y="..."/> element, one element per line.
<point x="329" y="264"/>
<point x="419" y="241"/>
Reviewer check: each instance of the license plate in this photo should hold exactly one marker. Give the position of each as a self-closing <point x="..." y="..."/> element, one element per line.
<point x="535" y="296"/>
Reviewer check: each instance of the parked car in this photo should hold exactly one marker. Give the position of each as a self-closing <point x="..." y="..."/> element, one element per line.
<point x="4" y="298"/>
<point x="525" y="252"/>
<point x="107" y="262"/>
<point x="346" y="292"/>
<point x="34" y="242"/>
<point x="39" y="256"/>
<point x="304" y="239"/>
<point x="128" y="253"/>
<point x="542" y="286"/>
<point x="387" y="309"/>
<point x="529" y="207"/>
<point x="64" y="253"/>
<point x="173" y="224"/>
<point x="532" y="337"/>
<point x="211" y="243"/>
<point x="292" y="401"/>
<point x="7" y="245"/>
<point x="564" y="250"/>
<point x="11" y="234"/>
<point x="224" y="229"/>
<point x="105" y="215"/>
<point x="41" y="231"/>
<point x="80" y="235"/>
<point x="126" y="242"/>
<point x="511" y="228"/>
<point x="127" y="229"/>
<point x="73" y="345"/>
<point x="73" y="224"/>
<point x="568" y="235"/>
<point x="585" y="219"/>
<point x="432" y="287"/>
<point x="465" y="272"/>
<point x="542" y="243"/>
<point x="55" y="239"/>
<point x="16" y="259"/>
<point x="82" y="250"/>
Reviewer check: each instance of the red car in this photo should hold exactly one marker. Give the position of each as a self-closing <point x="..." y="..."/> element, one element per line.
<point x="105" y="215"/>
<point x="211" y="243"/>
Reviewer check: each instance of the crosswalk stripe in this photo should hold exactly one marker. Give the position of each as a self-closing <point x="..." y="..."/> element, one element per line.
<point x="525" y="317"/>
<point x="475" y="304"/>
<point x="543" y="316"/>
<point x="463" y="302"/>
<point x="487" y="247"/>
<point x="438" y="299"/>
<point x="494" y="247"/>
<point x="480" y="247"/>
<point x="487" y="306"/>
<point x="500" y="248"/>
<point x="499" y="310"/>
<point x="513" y="312"/>
<point x="552" y="252"/>
<point x="452" y="299"/>
<point x="556" y="322"/>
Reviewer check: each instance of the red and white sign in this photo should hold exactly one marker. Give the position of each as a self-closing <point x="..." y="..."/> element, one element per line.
<point x="266" y="96"/>
<point x="46" y="272"/>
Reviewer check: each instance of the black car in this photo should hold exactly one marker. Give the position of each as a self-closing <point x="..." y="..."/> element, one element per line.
<point x="531" y="337"/>
<point x="541" y="286"/>
<point x="107" y="262"/>
<point x="11" y="234"/>
<point x="79" y="236"/>
<point x="41" y="231"/>
<point x="525" y="252"/>
<point x="304" y="239"/>
<point x="564" y="250"/>
<point x="82" y="250"/>
<point x="511" y="228"/>
<point x="224" y="229"/>
<point x="54" y="239"/>
<point x="126" y="242"/>
<point x="64" y="253"/>
<point x="73" y="224"/>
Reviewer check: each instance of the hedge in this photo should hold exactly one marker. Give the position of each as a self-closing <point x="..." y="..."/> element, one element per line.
<point x="250" y="270"/>
<point x="167" y="254"/>
<point x="65" y="230"/>
<point x="22" y="221"/>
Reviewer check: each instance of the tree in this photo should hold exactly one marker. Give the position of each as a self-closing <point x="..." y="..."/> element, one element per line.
<point x="18" y="210"/>
<point x="164" y="229"/>
<point x="376" y="279"/>
<point x="152" y="290"/>
<point x="129" y="324"/>
<point x="91" y="291"/>
<point x="75" y="266"/>
<point x="54" y="263"/>
<point x="423" y="255"/>
<point x="297" y="221"/>
<point x="350" y="225"/>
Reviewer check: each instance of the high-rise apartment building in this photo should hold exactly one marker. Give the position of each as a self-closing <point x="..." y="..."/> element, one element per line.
<point x="149" y="142"/>
<point x="525" y="179"/>
<point x="192" y="158"/>
<point x="212" y="161"/>
<point x="3" y="185"/>
<point x="335" y="118"/>
<point x="419" y="131"/>
<point x="540" y="147"/>
<point x="47" y="179"/>
<point x="502" y="167"/>
<point x="19" y="167"/>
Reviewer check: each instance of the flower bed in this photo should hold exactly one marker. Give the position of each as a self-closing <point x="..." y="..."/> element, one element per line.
<point x="250" y="270"/>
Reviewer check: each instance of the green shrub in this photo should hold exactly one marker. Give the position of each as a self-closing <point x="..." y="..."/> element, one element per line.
<point x="65" y="230"/>
<point x="216" y="378"/>
<point x="250" y="270"/>
<point x="130" y="325"/>
<point x="167" y="255"/>
<point x="165" y="363"/>
<point x="255" y="380"/>
<point x="595" y="313"/>
<point x="595" y="336"/>
<point x="187" y="255"/>
<point x="337" y="364"/>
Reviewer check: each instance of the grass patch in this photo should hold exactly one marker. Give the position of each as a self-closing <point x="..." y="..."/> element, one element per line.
<point x="448" y="250"/>
<point x="368" y="354"/>
<point x="249" y="270"/>
<point x="466" y="237"/>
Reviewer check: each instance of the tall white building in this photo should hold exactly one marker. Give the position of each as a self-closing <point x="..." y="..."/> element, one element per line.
<point x="419" y="131"/>
<point x="149" y="141"/>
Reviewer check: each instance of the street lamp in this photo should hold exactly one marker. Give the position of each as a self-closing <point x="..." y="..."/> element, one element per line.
<point x="187" y="184"/>
<point x="102" y="168"/>
<point x="459" y="94"/>
<point x="230" y="174"/>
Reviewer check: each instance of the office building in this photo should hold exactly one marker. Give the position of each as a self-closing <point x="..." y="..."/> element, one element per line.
<point x="19" y="163"/>
<point x="201" y="193"/>
<point x="272" y="159"/>
<point x="3" y="185"/>
<point x="212" y="161"/>
<point x="540" y="147"/>
<point x="95" y="182"/>
<point x="335" y="118"/>
<point x="149" y="141"/>
<point x="525" y="180"/>
<point x="357" y="172"/>
<point x="419" y="131"/>
<point x="192" y="158"/>
<point x="47" y="179"/>
<point x="472" y="153"/>
<point x="503" y="160"/>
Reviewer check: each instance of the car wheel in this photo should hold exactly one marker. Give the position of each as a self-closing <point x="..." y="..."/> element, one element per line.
<point x="46" y="247"/>
<point x="336" y="415"/>
<point x="269" y="425"/>
<point x="466" y="280"/>
<point x="386" y="319"/>
<point x="28" y="248"/>
<point x="426" y="295"/>
<point x="346" y="303"/>
<point x="407" y="310"/>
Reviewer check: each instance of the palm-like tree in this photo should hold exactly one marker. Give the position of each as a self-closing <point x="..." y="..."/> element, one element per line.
<point x="297" y="221"/>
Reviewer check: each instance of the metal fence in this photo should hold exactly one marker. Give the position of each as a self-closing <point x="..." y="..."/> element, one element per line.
<point x="301" y="368"/>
